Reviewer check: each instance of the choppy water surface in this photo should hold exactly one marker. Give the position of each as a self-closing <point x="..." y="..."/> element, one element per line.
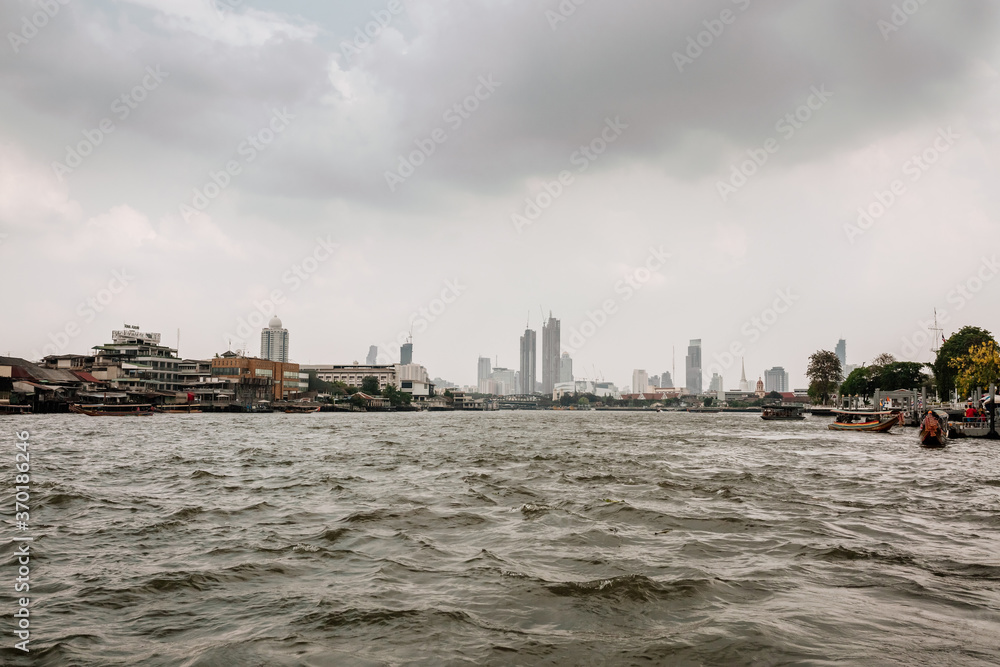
<point x="505" y="539"/>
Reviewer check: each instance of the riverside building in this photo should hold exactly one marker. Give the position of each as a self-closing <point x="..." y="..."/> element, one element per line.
<point x="136" y="361"/>
<point x="283" y="377"/>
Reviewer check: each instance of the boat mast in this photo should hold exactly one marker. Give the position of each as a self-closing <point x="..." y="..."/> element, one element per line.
<point x="936" y="345"/>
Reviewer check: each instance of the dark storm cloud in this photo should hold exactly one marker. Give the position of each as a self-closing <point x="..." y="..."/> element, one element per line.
<point x="617" y="59"/>
<point x="560" y="76"/>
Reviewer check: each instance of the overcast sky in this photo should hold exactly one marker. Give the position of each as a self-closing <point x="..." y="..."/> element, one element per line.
<point x="695" y="165"/>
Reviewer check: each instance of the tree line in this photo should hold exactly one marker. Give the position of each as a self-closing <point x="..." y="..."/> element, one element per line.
<point x="968" y="359"/>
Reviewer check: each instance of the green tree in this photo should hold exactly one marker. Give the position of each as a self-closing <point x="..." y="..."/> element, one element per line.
<point x="859" y="383"/>
<point x="883" y="360"/>
<point x="369" y="385"/>
<point x="395" y="396"/>
<point x="824" y="373"/>
<point x="955" y="347"/>
<point x="708" y="402"/>
<point x="901" y="375"/>
<point x="583" y="402"/>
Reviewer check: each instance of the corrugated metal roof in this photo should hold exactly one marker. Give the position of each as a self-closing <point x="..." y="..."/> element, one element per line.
<point x="52" y="375"/>
<point x="24" y="369"/>
<point x="35" y="385"/>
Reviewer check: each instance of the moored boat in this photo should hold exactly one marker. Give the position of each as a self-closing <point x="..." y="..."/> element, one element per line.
<point x="873" y="421"/>
<point x="120" y="410"/>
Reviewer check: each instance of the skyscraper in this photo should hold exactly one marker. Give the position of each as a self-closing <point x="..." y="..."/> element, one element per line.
<point x="692" y="365"/>
<point x="566" y="368"/>
<point x="666" y="380"/>
<point x="640" y="382"/>
<point x="406" y="353"/>
<point x="372" y="355"/>
<point x="842" y="353"/>
<point x="274" y="342"/>
<point x="715" y="384"/>
<point x="776" y="379"/>
<point x="528" y="362"/>
<point x="483" y="376"/>
<point x="550" y="355"/>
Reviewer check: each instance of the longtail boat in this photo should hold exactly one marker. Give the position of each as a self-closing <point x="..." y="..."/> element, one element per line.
<point x="123" y="410"/>
<point x="864" y="420"/>
<point x="179" y="409"/>
<point x="934" y="432"/>
<point x="301" y="409"/>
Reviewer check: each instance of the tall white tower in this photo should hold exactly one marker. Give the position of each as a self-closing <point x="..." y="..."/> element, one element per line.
<point x="274" y="341"/>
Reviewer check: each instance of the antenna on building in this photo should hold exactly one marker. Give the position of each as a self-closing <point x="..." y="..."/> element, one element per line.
<point x="673" y="364"/>
<point x="178" y="342"/>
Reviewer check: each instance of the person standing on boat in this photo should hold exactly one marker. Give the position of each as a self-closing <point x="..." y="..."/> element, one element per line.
<point x="970" y="413"/>
<point x="930" y="424"/>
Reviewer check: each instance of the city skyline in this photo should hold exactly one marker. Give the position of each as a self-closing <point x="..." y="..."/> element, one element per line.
<point x="275" y="340"/>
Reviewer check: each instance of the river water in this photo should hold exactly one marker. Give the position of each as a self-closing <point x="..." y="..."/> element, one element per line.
<point x="510" y="538"/>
